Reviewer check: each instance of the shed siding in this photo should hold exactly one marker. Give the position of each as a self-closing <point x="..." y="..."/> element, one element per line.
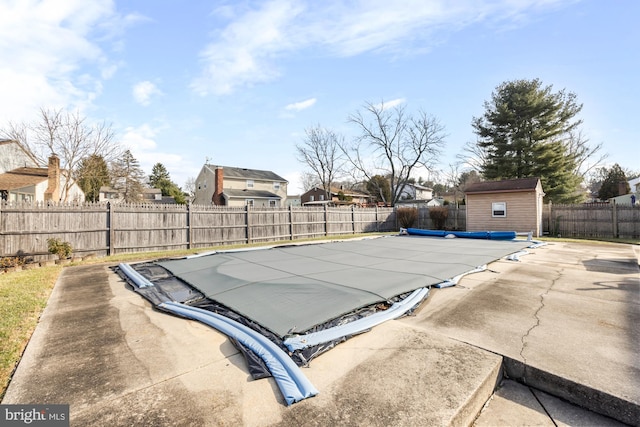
<point x="522" y="212"/>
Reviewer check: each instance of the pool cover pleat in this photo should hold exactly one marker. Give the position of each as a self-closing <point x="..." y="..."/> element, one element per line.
<point x="295" y="288"/>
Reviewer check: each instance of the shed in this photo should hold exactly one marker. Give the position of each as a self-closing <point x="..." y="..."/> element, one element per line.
<point x="510" y="204"/>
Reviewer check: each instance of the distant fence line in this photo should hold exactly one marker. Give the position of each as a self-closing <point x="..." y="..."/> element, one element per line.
<point x="108" y="229"/>
<point x="604" y="220"/>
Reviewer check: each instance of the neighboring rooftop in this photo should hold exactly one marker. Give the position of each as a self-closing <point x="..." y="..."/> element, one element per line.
<point x="233" y="172"/>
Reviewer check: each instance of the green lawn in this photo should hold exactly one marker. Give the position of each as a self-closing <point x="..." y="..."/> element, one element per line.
<point x="23" y="296"/>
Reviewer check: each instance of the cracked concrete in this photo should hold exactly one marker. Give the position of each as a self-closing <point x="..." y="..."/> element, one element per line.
<point x="537" y="317"/>
<point x="584" y="340"/>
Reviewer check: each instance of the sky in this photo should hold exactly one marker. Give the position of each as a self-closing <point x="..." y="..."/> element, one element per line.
<point x="236" y="83"/>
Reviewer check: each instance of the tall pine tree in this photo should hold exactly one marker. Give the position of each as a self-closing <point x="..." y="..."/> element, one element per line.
<point x="523" y="133"/>
<point x="160" y="178"/>
<point x="127" y="177"/>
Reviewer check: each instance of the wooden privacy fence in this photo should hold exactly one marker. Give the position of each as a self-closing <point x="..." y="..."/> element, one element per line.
<point x="607" y="220"/>
<point x="107" y="229"/>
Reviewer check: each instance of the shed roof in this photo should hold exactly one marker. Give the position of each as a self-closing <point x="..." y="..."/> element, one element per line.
<point x="505" y="185"/>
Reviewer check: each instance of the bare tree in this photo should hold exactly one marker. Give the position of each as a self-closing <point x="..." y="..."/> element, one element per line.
<point x="190" y="187"/>
<point x="320" y="151"/>
<point x="393" y="144"/>
<point x="70" y="137"/>
<point x="308" y="181"/>
<point x="586" y="157"/>
<point x="474" y="156"/>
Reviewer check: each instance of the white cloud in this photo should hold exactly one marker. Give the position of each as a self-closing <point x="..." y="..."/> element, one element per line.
<point x="302" y="105"/>
<point x="246" y="51"/>
<point x="51" y="54"/>
<point x="142" y="142"/>
<point x="390" y="104"/>
<point x="144" y="91"/>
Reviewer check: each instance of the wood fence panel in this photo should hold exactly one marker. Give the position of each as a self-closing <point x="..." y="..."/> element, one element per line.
<point x="148" y="227"/>
<point x="628" y="218"/>
<point x="269" y="224"/>
<point x="25" y="228"/>
<point x="214" y="225"/>
<point x="308" y="222"/>
<point x="603" y="220"/>
<point x="339" y="221"/>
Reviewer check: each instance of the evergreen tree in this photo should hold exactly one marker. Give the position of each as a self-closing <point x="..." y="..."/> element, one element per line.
<point x="92" y="174"/>
<point x="524" y="132"/>
<point x="160" y="179"/>
<point x="127" y="177"/>
<point x="159" y="174"/>
<point x="379" y="188"/>
<point x="614" y="184"/>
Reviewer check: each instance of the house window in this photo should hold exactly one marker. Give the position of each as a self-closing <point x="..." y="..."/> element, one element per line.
<point x="273" y="203"/>
<point x="250" y="202"/>
<point x="499" y="209"/>
<point x="312" y="198"/>
<point x="276" y="186"/>
<point x="321" y="197"/>
<point x="249" y="183"/>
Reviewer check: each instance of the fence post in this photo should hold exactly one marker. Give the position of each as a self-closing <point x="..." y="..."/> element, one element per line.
<point x="248" y="221"/>
<point x="291" y="222"/>
<point x="614" y="218"/>
<point x="549" y="221"/>
<point x="111" y="233"/>
<point x="353" y="219"/>
<point x="326" y="221"/>
<point x="377" y="220"/>
<point x="189" y="228"/>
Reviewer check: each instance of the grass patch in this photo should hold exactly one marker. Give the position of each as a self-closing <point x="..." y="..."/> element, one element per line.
<point x="23" y="296"/>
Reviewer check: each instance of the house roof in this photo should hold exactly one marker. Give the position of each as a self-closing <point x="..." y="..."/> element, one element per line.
<point x="244" y="173"/>
<point x="421" y="187"/>
<point x="250" y="194"/>
<point x="505" y="185"/>
<point x="22" y="177"/>
<point x="107" y="189"/>
<point x="336" y="190"/>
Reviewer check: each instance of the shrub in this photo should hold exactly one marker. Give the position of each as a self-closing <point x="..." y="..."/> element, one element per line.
<point x="439" y="216"/>
<point x="11" y="261"/>
<point x="407" y="217"/>
<point x="57" y="247"/>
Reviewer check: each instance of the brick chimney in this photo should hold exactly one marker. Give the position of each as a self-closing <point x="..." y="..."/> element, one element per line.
<point x="53" y="172"/>
<point x="217" y="198"/>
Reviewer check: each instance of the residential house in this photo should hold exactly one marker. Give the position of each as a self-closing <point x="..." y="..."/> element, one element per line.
<point x="13" y="156"/>
<point x="149" y="195"/>
<point x="508" y="205"/>
<point x="337" y="196"/>
<point x="416" y="192"/>
<point x="632" y="198"/>
<point x="36" y="184"/>
<point x="238" y="187"/>
<point x="294" y="200"/>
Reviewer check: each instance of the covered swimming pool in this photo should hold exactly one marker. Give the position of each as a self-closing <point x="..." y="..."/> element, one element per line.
<point x="305" y="299"/>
